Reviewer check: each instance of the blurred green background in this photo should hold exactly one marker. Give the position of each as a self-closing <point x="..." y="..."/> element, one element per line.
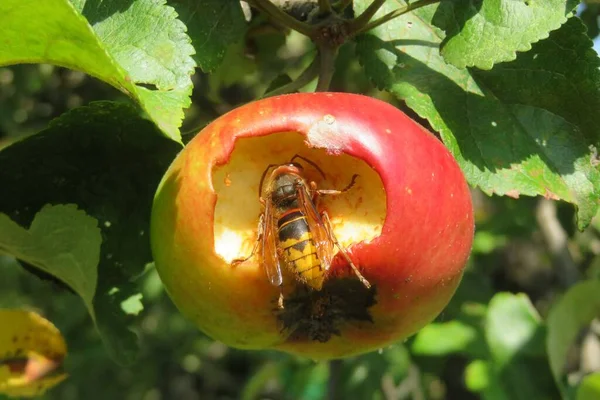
<point x="488" y="343"/>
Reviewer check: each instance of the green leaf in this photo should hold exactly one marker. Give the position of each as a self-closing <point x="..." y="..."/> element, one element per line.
<point x="560" y="75"/>
<point x="124" y="44"/>
<point x="477" y="376"/>
<point x="515" y="336"/>
<point x="480" y="378"/>
<point x="512" y="326"/>
<point x="589" y="388"/>
<point x="439" y="339"/>
<point x="575" y="310"/>
<point x="307" y="381"/>
<point x="256" y="383"/>
<point x="485" y="242"/>
<point x="471" y="297"/>
<point x="483" y="33"/>
<point x="213" y="25"/>
<point x="360" y="377"/>
<point x="61" y="241"/>
<point x="107" y="160"/>
<point x="534" y="135"/>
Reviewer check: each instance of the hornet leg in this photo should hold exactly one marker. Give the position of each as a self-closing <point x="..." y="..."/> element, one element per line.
<point x="327" y="223"/>
<point x="256" y="243"/>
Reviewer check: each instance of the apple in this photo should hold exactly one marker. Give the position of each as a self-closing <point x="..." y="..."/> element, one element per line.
<point x="407" y="225"/>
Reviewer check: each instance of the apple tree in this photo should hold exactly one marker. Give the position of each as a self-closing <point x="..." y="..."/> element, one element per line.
<point x="449" y="158"/>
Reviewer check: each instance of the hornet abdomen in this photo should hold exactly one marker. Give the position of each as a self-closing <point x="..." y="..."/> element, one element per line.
<point x="298" y="248"/>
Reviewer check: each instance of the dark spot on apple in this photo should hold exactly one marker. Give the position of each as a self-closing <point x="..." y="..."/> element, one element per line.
<point x="317" y="315"/>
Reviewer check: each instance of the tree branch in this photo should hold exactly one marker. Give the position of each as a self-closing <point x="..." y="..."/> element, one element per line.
<point x="325" y="7"/>
<point x="285" y="19"/>
<point x="363" y="19"/>
<point x="304" y="79"/>
<point x="341" y="5"/>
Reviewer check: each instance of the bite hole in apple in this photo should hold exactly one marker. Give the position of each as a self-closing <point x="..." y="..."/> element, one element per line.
<point x="357" y="215"/>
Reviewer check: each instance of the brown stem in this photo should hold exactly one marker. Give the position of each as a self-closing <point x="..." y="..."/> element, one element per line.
<point x="327" y="67"/>
<point x="363" y="19"/>
<point x="304" y="79"/>
<point x="285" y="19"/>
<point x="325" y="7"/>
<point x="341" y="5"/>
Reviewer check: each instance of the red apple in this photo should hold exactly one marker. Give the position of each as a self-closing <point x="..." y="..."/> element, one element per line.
<point x="407" y="224"/>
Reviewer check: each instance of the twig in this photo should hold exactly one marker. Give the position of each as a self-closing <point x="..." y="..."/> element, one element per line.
<point x="335" y="371"/>
<point x="276" y="13"/>
<point x="364" y="18"/>
<point x="327" y="67"/>
<point x="304" y="79"/>
<point x="325" y="7"/>
<point x="411" y="385"/>
<point x="341" y="5"/>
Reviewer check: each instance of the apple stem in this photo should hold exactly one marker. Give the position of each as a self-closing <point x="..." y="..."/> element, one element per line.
<point x="357" y="28"/>
<point x="303" y="79"/>
<point x="329" y="33"/>
<point x="327" y="67"/>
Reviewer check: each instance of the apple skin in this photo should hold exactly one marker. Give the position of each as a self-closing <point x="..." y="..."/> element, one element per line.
<point x="416" y="263"/>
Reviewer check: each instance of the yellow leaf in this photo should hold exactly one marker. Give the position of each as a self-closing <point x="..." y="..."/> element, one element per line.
<point x="31" y="354"/>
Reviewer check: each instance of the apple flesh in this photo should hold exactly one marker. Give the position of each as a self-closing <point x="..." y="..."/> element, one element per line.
<point x="407" y="224"/>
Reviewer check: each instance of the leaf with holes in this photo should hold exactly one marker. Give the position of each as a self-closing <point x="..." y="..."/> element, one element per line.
<point x="61" y="241"/>
<point x="108" y="161"/>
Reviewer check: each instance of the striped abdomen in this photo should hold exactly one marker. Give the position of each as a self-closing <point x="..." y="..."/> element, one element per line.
<point x="298" y="247"/>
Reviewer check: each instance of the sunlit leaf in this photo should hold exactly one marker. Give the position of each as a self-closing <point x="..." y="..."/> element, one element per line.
<point x="482" y="33"/>
<point x="512" y="326"/>
<point x="448" y="337"/>
<point x="126" y="44"/>
<point x="589" y="388"/>
<point x="515" y="337"/>
<point x="477" y="376"/>
<point x="527" y="127"/>
<point x="108" y="160"/>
